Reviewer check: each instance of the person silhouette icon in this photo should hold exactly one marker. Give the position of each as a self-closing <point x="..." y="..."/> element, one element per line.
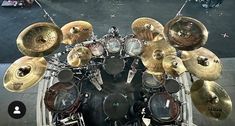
<point x="17" y="110"/>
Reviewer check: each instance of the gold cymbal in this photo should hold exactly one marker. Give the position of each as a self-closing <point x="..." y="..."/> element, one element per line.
<point x="211" y="99"/>
<point x="153" y="54"/>
<point x="39" y="39"/>
<point x="204" y="64"/>
<point x="79" y="56"/>
<point x="173" y="65"/>
<point x="146" y="28"/>
<point x="24" y="73"/>
<point x="76" y="31"/>
<point x="185" y="33"/>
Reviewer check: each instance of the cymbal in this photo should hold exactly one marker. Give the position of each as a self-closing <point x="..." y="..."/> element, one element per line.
<point x="211" y="99"/>
<point x="24" y="73"/>
<point x="153" y="54"/>
<point x="76" y="31"/>
<point x="173" y="65"/>
<point x="146" y="28"/>
<point x="204" y="64"/>
<point x="39" y="39"/>
<point x="79" y="56"/>
<point x="185" y="33"/>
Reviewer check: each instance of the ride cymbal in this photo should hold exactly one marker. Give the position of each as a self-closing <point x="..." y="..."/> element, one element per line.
<point x="204" y="64"/>
<point x="79" y="56"/>
<point x="76" y="31"/>
<point x="211" y="99"/>
<point x="24" y="73"/>
<point x="39" y="39"/>
<point x="185" y="33"/>
<point x="147" y="28"/>
<point x="153" y="54"/>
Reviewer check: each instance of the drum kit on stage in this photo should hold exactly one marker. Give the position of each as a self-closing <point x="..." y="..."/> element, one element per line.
<point x="166" y="52"/>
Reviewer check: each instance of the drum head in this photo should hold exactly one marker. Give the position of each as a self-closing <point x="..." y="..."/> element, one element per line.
<point x="172" y="86"/>
<point x="163" y="108"/>
<point x="149" y="81"/>
<point x="61" y="97"/>
<point x="116" y="106"/>
<point x="114" y="65"/>
<point x="65" y="75"/>
<point x="97" y="49"/>
<point x="113" y="45"/>
<point x="133" y="46"/>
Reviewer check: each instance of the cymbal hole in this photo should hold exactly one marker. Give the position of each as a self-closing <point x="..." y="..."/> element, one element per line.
<point x="23" y="71"/>
<point x="41" y="39"/>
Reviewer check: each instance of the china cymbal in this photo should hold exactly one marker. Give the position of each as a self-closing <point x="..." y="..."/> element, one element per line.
<point x="76" y="31"/>
<point x="39" y="39"/>
<point x="147" y="28"/>
<point x="185" y="33"/>
<point x="24" y="73"/>
<point x="211" y="99"/>
<point x="173" y="65"/>
<point x="153" y="54"/>
<point x="79" y="56"/>
<point x="204" y="64"/>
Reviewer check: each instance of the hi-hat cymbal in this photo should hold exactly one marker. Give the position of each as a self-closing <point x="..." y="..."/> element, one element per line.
<point x="211" y="99"/>
<point x="173" y="65"/>
<point x="185" y="33"/>
<point x="204" y="64"/>
<point x="76" y="31"/>
<point x="39" y="39"/>
<point x="153" y="54"/>
<point x="147" y="28"/>
<point x="24" y="73"/>
<point x="79" y="56"/>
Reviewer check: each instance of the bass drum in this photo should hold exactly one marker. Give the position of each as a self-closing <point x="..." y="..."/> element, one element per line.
<point x="163" y="107"/>
<point x="133" y="46"/>
<point x="113" y="65"/>
<point x="97" y="49"/>
<point x="62" y="97"/>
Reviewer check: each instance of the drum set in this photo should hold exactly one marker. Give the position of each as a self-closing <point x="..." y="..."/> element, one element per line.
<point x="155" y="54"/>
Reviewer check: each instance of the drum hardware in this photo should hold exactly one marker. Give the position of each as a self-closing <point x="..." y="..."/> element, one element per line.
<point x="132" y="71"/>
<point x="94" y="80"/>
<point x="73" y="119"/>
<point x="114" y="31"/>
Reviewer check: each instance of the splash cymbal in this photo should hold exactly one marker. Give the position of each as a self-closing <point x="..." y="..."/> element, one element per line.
<point x="24" y="73"/>
<point x="147" y="28"/>
<point x="185" y="33"/>
<point x="211" y="99"/>
<point x="153" y="54"/>
<point x="173" y="65"/>
<point x="79" y="56"/>
<point x="76" y="31"/>
<point x="204" y="64"/>
<point x="39" y="39"/>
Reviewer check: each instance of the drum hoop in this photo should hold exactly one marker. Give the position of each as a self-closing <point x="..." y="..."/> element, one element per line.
<point x="125" y="45"/>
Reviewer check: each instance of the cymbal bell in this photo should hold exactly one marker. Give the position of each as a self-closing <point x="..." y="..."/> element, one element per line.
<point x="76" y="31"/>
<point x="211" y="99"/>
<point x="79" y="56"/>
<point x="173" y="65"/>
<point x="204" y="64"/>
<point x="24" y="73"/>
<point x="39" y="39"/>
<point x="147" y="28"/>
<point x="185" y="33"/>
<point x="153" y="54"/>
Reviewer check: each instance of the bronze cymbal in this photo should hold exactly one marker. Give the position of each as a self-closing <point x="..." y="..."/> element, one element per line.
<point x="185" y="33"/>
<point x="76" y="31"/>
<point x="204" y="64"/>
<point x="147" y="28"/>
<point x="173" y="65"/>
<point x="79" y="56"/>
<point x="24" y="73"/>
<point x="39" y="39"/>
<point x="153" y="54"/>
<point x="211" y="99"/>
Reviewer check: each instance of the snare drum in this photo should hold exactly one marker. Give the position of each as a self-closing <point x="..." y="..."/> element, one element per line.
<point x="114" y="65"/>
<point x="133" y="46"/>
<point x="62" y="97"/>
<point x="113" y="45"/>
<point x="163" y="107"/>
<point x="150" y="82"/>
<point x="97" y="49"/>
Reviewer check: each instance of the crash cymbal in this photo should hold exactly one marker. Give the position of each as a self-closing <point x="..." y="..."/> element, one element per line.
<point x="24" y="73"/>
<point x="147" y="28"/>
<point x="185" y="33"/>
<point x="76" y="31"/>
<point x="79" y="56"/>
<point x="153" y="54"/>
<point x="204" y="64"/>
<point x="39" y="39"/>
<point x="173" y="65"/>
<point x="211" y="99"/>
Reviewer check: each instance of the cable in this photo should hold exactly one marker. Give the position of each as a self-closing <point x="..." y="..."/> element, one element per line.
<point x="179" y="12"/>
